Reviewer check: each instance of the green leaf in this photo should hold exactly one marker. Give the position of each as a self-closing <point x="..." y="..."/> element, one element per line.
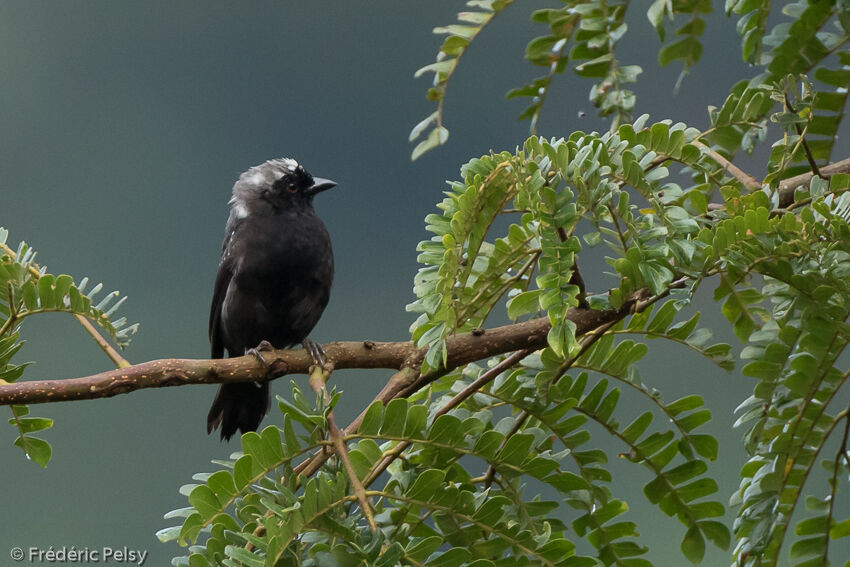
<point x="222" y="484"/>
<point x="636" y="428"/>
<point x="840" y="529"/>
<point x="688" y="403"/>
<point x="372" y="419"/>
<point x="426" y="485"/>
<point x="810" y="546"/>
<point x="437" y="137"/>
<point x="31" y="424"/>
<point x="453" y="557"/>
<point x="524" y="303"/>
<point x="693" y="545"/>
<point x="244" y="471"/>
<point x="420" y="548"/>
<point x="687" y="49"/>
<point x="38" y="450"/>
<point x="205" y="501"/>
<point x="190" y="530"/>
<point x="516" y="449"/>
<point x="244" y="556"/>
<point x="394" y="418"/>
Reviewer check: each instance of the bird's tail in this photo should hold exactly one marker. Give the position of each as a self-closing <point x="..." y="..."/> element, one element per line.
<point x="238" y="406"/>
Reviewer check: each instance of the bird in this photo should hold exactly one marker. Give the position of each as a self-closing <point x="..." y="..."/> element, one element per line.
<point x="273" y="282"/>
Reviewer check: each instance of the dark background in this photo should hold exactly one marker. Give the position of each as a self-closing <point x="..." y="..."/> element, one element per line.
<point x="122" y="129"/>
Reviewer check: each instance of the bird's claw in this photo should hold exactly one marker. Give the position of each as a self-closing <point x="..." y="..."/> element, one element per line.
<point x="316" y="352"/>
<point x="257" y="352"/>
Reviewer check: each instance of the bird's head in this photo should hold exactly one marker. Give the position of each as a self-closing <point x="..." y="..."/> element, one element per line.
<point x="274" y="186"/>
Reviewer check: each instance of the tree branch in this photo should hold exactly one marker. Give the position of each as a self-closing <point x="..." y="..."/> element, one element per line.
<point x="461" y="348"/>
<point x="739" y="174"/>
<point x="788" y="186"/>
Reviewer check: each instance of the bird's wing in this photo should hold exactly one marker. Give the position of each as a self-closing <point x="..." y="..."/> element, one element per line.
<point x="222" y="282"/>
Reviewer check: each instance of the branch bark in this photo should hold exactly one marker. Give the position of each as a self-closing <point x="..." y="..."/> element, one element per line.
<point x="787" y="186"/>
<point x="743" y="177"/>
<point x="461" y="348"/>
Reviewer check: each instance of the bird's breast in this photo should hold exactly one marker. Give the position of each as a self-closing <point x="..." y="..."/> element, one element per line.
<point x="284" y="244"/>
<point x="281" y="282"/>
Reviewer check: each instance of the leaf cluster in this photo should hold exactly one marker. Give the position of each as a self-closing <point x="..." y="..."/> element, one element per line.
<point x="506" y="460"/>
<point x="27" y="289"/>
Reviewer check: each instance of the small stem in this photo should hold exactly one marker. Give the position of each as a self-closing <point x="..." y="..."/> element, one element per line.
<point x="10" y="322"/>
<point x="318" y="380"/>
<point x="117" y="359"/>
<point x="476" y="385"/>
<point x="799" y="130"/>
<point x="586" y="343"/>
<point x="619" y="230"/>
<point x="842" y="450"/>
<point x="744" y="178"/>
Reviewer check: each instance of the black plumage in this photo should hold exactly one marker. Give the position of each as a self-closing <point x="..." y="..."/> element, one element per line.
<point x="273" y="281"/>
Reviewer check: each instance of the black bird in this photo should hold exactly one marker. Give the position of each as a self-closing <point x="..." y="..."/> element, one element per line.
<point x="273" y="282"/>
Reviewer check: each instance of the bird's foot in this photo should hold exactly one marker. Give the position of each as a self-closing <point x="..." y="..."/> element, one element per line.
<point x="257" y="352"/>
<point x="316" y="352"/>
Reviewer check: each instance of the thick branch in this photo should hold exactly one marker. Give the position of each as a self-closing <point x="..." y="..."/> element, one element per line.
<point x="787" y="186"/>
<point x="462" y="349"/>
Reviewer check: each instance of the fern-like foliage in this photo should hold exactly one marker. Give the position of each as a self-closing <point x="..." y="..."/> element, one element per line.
<point x="458" y="37"/>
<point x="502" y="461"/>
<point x="452" y="489"/>
<point x="688" y="48"/>
<point x="431" y="507"/>
<point x="741" y="121"/>
<point x="793" y="350"/>
<point x="445" y="473"/>
<point x="586" y="33"/>
<point x="583" y="35"/>
<point x="26" y="289"/>
<point x="809" y="42"/>
<point x="752" y="26"/>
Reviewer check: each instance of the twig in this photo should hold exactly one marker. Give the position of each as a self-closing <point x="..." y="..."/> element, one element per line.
<point x="114" y="356"/>
<point x="586" y="342"/>
<point x="842" y="451"/>
<point x="739" y="174"/>
<point x="318" y="379"/>
<point x="809" y="157"/>
<point x="117" y="359"/>
<point x="476" y="385"/>
<point x="396" y="385"/>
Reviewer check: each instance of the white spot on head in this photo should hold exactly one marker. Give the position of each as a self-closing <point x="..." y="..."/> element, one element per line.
<point x="285" y="163"/>
<point x="253" y="182"/>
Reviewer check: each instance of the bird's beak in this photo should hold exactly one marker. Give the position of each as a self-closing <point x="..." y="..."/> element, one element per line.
<point x="320" y="185"/>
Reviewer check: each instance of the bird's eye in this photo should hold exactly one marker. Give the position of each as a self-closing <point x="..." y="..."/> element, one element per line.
<point x="292" y="187"/>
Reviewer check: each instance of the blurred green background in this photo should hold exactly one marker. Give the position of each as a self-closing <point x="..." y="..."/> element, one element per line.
<point x="122" y="129"/>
